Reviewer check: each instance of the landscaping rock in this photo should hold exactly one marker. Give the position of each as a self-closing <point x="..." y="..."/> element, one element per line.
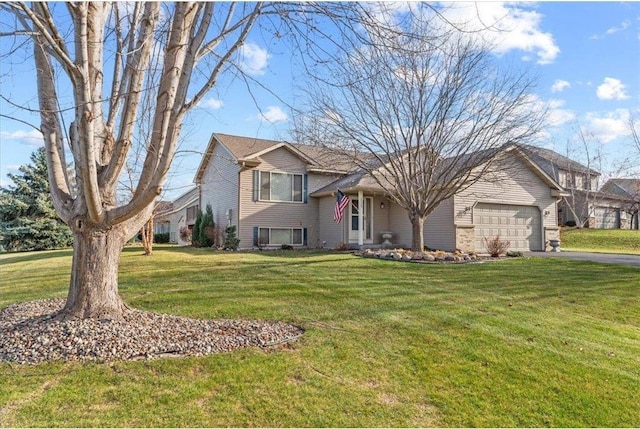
<point x="29" y="333"/>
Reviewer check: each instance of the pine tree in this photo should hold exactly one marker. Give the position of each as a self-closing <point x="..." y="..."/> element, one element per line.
<point x="196" y="239"/>
<point x="28" y="220"/>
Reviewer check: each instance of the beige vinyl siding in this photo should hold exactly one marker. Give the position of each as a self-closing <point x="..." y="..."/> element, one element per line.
<point x="400" y="226"/>
<point x="276" y="214"/>
<point x="516" y="186"/>
<point x="439" y="230"/>
<point x="331" y="233"/>
<point x="220" y="186"/>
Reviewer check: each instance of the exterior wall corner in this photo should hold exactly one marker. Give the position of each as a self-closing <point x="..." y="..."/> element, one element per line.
<point x="551" y="233"/>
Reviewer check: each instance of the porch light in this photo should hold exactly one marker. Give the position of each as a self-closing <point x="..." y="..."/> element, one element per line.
<point x="382" y="205"/>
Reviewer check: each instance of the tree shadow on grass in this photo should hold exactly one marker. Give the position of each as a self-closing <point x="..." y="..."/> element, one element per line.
<point x="11" y="258"/>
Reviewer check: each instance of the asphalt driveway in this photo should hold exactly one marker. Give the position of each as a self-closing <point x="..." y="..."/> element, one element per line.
<point x="605" y="258"/>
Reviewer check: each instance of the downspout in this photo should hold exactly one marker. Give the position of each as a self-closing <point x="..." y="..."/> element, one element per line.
<point x="360" y="219"/>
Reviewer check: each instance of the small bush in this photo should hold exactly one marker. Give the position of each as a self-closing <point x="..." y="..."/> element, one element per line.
<point x="515" y="254"/>
<point x="231" y="241"/>
<point x="185" y="234"/>
<point x="495" y="246"/>
<point x="571" y="223"/>
<point x="342" y="246"/>
<point x="161" y="237"/>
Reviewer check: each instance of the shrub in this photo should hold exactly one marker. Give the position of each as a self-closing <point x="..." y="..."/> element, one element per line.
<point x="231" y="242"/>
<point x="203" y="229"/>
<point x="515" y="254"/>
<point x="161" y="237"/>
<point x="185" y="234"/>
<point x="570" y="223"/>
<point x="495" y="246"/>
<point x="342" y="246"/>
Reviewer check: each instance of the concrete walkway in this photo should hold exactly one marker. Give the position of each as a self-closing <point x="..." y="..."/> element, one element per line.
<point x="604" y="258"/>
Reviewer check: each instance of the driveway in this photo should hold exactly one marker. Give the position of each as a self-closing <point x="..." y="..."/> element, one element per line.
<point x="604" y="258"/>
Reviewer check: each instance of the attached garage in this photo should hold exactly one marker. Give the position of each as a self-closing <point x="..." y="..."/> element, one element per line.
<point x="520" y="225"/>
<point x="607" y="217"/>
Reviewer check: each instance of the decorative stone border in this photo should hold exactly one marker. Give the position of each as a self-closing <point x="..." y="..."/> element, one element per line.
<point x="410" y="256"/>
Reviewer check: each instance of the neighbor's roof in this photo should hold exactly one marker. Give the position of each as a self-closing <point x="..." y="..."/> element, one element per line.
<point x="551" y="161"/>
<point x="623" y="187"/>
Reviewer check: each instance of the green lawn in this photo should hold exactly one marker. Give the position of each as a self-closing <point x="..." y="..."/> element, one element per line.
<point x="519" y="342"/>
<point x="600" y="240"/>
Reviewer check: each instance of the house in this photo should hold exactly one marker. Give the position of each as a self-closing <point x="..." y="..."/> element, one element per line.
<point x="172" y="217"/>
<point x="282" y="193"/>
<point x="629" y="191"/>
<point x="585" y="204"/>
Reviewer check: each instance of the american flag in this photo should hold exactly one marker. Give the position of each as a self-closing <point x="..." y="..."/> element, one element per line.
<point x="342" y="201"/>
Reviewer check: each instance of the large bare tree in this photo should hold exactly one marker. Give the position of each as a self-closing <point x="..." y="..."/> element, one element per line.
<point x="102" y="52"/>
<point x="422" y="108"/>
<point x="92" y="64"/>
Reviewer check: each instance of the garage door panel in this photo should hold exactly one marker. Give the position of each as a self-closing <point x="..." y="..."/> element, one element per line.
<point x="607" y="217"/>
<point x="520" y="225"/>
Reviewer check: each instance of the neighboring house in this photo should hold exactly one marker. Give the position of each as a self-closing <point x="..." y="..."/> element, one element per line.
<point x="629" y="191"/>
<point x="585" y="204"/>
<point x="281" y="193"/>
<point x="171" y="217"/>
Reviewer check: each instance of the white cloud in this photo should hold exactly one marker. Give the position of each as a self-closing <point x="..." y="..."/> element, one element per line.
<point x="560" y="85"/>
<point x="507" y="27"/>
<point x="611" y="89"/>
<point x="623" y="26"/>
<point x="557" y="115"/>
<point x="273" y="114"/>
<point x="31" y="138"/>
<point x="211" y="103"/>
<point x="253" y="59"/>
<point x="609" y="126"/>
<point x="612" y="30"/>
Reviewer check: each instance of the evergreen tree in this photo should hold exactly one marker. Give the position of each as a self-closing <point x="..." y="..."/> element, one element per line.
<point x="28" y="220"/>
<point x="207" y="233"/>
<point x="196" y="238"/>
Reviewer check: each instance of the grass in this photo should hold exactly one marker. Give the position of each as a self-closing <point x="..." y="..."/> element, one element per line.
<point x="520" y="342"/>
<point x="600" y="240"/>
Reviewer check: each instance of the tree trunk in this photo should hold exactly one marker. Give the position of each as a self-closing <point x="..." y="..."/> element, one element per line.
<point x="417" y="229"/>
<point x="147" y="237"/>
<point x="93" y="289"/>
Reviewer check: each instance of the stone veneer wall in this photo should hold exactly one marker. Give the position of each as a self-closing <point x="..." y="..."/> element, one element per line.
<point x="465" y="238"/>
<point x="551" y="233"/>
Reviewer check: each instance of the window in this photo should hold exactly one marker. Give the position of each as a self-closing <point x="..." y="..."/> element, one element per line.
<point x="192" y="213"/>
<point x="562" y="177"/>
<point x="161" y="227"/>
<point x="281" y="187"/>
<point x="280" y="236"/>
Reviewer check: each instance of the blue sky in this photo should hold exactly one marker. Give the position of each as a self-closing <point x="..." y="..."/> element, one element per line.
<point x="586" y="56"/>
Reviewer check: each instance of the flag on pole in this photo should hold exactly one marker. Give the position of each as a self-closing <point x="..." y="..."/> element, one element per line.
<point x="342" y="201"/>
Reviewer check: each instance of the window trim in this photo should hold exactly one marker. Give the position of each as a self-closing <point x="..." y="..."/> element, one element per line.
<point x="293" y="191"/>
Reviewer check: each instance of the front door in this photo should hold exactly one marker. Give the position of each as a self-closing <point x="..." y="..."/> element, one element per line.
<point x="367" y="220"/>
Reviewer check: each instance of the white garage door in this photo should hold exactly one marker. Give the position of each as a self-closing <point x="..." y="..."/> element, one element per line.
<point x="607" y="217"/>
<point x="520" y="225"/>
